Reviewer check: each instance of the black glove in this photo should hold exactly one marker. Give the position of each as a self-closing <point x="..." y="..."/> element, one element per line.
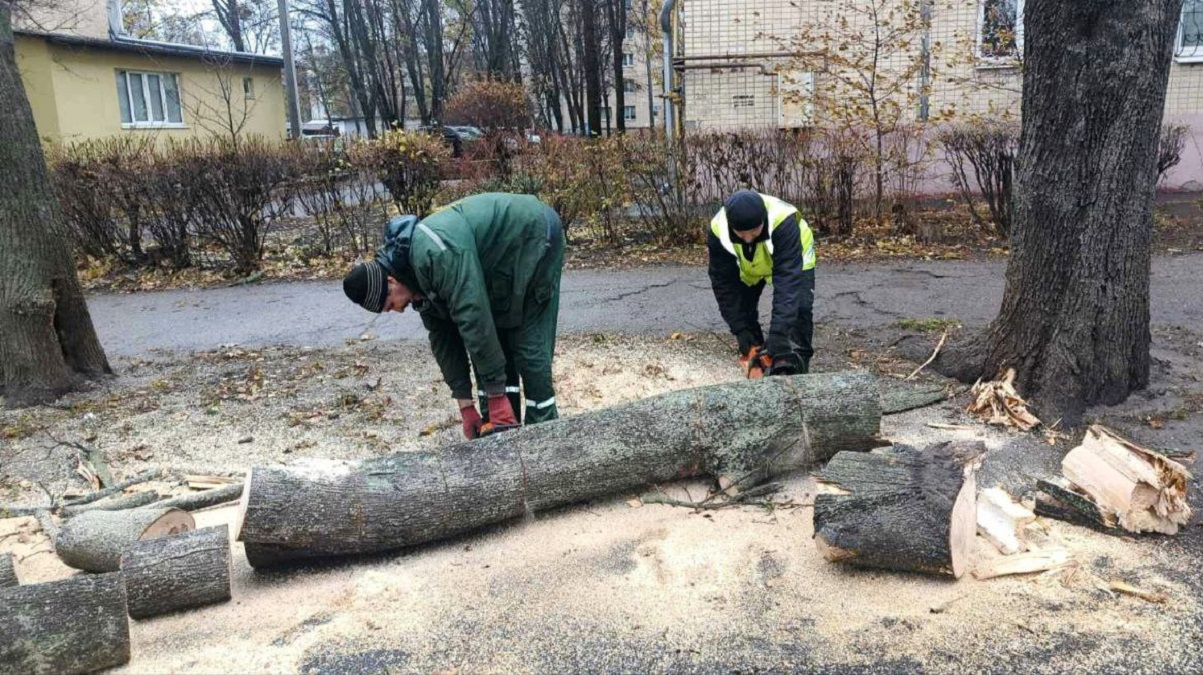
<point x="783" y="365"/>
<point x="746" y="341"/>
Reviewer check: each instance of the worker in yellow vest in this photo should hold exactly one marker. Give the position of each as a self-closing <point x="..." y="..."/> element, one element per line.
<point x="756" y="240"/>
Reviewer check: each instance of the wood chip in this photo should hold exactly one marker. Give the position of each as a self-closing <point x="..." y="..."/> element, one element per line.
<point x="1147" y="596"/>
<point x="998" y="403"/>
<point x="1022" y="563"/>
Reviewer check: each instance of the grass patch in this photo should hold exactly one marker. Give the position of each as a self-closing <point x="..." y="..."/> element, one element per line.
<point x="929" y="325"/>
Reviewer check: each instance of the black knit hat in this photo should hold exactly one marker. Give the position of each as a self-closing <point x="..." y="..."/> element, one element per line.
<point x="367" y="286"/>
<point x="745" y="210"/>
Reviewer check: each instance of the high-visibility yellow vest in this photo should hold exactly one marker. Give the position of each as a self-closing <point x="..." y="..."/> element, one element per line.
<point x="760" y="266"/>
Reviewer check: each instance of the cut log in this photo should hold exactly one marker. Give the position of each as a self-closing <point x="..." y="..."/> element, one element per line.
<point x="112" y="504"/>
<point x="177" y="572"/>
<point x="749" y="430"/>
<point x="1022" y="563"/>
<point x="1000" y="520"/>
<point x="900" y="509"/>
<point x="201" y="500"/>
<point x="901" y="399"/>
<point x="74" y="625"/>
<point x="95" y="541"/>
<point x="8" y="571"/>
<point x="1145" y="490"/>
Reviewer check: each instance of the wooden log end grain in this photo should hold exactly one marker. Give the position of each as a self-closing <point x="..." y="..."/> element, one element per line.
<point x="74" y="625"/>
<point x="94" y="541"/>
<point x="177" y="572"/>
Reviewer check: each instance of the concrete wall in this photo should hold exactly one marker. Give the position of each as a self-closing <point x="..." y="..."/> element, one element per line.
<point x="74" y="92"/>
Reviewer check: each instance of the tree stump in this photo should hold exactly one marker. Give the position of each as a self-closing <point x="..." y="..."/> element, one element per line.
<point x="901" y="508"/>
<point x="742" y="432"/>
<point x="8" y="572"/>
<point x="177" y="572"/>
<point x="74" y="625"/>
<point x="94" y="541"/>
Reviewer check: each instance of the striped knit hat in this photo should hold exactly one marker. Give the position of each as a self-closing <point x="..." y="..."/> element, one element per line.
<point x="367" y="286"/>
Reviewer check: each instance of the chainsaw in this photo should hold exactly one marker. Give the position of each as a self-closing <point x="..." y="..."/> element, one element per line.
<point x="488" y="429"/>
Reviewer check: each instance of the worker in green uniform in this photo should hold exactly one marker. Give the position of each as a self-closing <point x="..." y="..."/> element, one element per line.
<point x="484" y="275"/>
<point x="756" y="240"/>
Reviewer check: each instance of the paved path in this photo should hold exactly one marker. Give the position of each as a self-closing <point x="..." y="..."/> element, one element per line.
<point x="661" y="299"/>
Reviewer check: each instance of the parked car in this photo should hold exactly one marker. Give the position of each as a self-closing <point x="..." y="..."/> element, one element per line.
<point x="454" y="139"/>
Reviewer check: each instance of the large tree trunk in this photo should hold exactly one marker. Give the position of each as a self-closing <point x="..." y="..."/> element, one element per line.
<point x="742" y="433"/>
<point x="177" y="572"/>
<point x="616" y="12"/>
<point x="75" y="625"/>
<point x="1074" y="321"/>
<point x="46" y="336"/>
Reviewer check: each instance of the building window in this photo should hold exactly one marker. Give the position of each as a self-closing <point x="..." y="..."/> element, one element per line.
<point x="628" y="113"/>
<point x="1190" y="31"/>
<point x="1000" y="29"/>
<point x="628" y="85"/>
<point x="628" y="59"/>
<point x="248" y="87"/>
<point x="630" y="33"/>
<point x="149" y="99"/>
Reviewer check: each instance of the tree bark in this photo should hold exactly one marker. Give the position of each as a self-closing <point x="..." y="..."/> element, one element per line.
<point x="1074" y="321"/>
<point x="113" y="504"/>
<point x="74" y="625"/>
<point x="201" y="500"/>
<point x="742" y="433"/>
<point x="901" y="509"/>
<point x="180" y="572"/>
<point x="46" y="336"/>
<point x="95" y="541"/>
<point x="8" y="572"/>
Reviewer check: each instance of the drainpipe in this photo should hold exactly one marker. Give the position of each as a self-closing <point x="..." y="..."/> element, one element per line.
<point x="666" y="30"/>
<point x="116" y="20"/>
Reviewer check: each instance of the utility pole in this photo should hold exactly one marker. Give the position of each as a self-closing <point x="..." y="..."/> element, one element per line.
<point x="290" y="73"/>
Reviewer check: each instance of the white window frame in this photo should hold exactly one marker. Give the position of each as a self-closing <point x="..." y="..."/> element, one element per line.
<point x="628" y="60"/>
<point x="151" y="124"/>
<point x="634" y="114"/>
<point x="1011" y="61"/>
<point x="1182" y="53"/>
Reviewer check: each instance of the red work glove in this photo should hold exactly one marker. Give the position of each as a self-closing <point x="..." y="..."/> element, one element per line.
<point x="471" y="421"/>
<point x="500" y="411"/>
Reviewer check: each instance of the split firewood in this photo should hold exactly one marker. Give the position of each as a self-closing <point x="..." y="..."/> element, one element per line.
<point x="1023" y="563"/>
<point x="1057" y="498"/>
<point x="94" y="541"/>
<point x="759" y="428"/>
<point x="74" y="625"/>
<point x="201" y="500"/>
<point x="1143" y="489"/>
<point x="997" y="402"/>
<point x="112" y="504"/>
<point x="1001" y="521"/>
<point x="1128" y="589"/>
<point x="177" y="572"/>
<point x="8" y="572"/>
<point x="900" y="509"/>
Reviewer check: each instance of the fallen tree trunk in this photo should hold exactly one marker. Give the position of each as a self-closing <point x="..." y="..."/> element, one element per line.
<point x="8" y="572"/>
<point x="95" y="541"/>
<point x="900" y="509"/>
<point x="746" y="432"/>
<point x="74" y="625"/>
<point x="178" y="572"/>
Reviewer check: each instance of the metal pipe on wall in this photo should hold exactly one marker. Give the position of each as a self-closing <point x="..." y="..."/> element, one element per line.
<point x="666" y="31"/>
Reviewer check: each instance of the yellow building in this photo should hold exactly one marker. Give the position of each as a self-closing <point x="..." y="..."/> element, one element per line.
<point x="86" y="79"/>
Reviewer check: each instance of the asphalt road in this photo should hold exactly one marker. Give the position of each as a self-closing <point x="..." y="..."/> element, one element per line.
<point x="659" y="299"/>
